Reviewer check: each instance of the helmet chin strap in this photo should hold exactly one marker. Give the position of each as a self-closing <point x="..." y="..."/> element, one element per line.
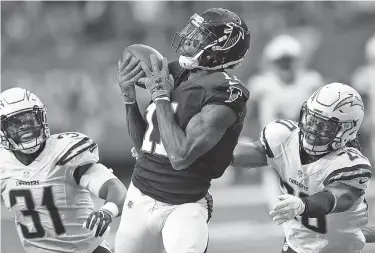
<point x="314" y="150"/>
<point x="189" y="62"/>
<point x="30" y="150"/>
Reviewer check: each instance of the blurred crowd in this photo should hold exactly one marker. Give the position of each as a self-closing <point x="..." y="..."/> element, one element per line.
<point x="67" y="53"/>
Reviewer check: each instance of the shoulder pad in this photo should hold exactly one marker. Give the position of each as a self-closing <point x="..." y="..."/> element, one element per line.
<point x="275" y="134"/>
<point x="73" y="144"/>
<point x="349" y="166"/>
<point x="222" y="88"/>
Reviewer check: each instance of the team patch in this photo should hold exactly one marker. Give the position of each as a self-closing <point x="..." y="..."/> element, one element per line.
<point x="234" y="94"/>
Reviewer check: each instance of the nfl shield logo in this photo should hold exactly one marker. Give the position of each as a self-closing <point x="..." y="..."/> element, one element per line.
<point x="26" y="174"/>
<point x="300" y="173"/>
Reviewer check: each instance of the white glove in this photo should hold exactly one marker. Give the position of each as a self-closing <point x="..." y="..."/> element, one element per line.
<point x="289" y="207"/>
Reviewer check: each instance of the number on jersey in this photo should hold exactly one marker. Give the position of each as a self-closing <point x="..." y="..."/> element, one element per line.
<point x="48" y="202"/>
<point x="152" y="142"/>
<point x="315" y="224"/>
<point x="291" y="125"/>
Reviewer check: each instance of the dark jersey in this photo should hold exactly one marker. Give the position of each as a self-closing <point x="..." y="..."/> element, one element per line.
<point x="154" y="174"/>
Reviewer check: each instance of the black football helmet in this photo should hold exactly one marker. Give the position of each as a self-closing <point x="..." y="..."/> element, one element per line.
<point x="221" y="39"/>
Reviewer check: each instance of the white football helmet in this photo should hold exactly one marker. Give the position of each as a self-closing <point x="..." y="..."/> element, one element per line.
<point x="330" y="118"/>
<point x="23" y="121"/>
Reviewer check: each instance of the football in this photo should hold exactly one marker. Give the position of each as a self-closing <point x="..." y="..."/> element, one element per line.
<point x="143" y="52"/>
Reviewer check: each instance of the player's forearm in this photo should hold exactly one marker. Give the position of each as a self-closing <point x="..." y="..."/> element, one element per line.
<point x="335" y="198"/>
<point x="113" y="191"/>
<point x="171" y="134"/>
<point x="369" y="233"/>
<point x="248" y="155"/>
<point x="136" y="125"/>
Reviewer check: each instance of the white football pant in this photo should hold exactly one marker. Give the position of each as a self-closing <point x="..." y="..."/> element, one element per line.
<point x="151" y="226"/>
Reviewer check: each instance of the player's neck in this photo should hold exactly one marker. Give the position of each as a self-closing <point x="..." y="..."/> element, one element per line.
<point x="27" y="159"/>
<point x="307" y="158"/>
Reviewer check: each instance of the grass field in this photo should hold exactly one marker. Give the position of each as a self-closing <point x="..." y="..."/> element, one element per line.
<point x="239" y="224"/>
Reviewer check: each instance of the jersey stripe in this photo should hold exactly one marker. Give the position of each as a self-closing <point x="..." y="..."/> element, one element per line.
<point x="80" y="171"/>
<point x="78" y="148"/>
<point x="349" y="173"/>
<point x="267" y="146"/>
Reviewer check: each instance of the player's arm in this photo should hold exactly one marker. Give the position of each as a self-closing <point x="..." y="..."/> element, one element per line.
<point x="202" y="132"/>
<point x="369" y="233"/>
<point x="335" y="198"/>
<point x="249" y="155"/>
<point x="100" y="181"/>
<point x="129" y="72"/>
<point x="136" y="124"/>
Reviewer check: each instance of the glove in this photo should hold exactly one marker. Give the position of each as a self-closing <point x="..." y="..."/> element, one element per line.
<point x="129" y="72"/>
<point x="99" y="220"/>
<point x="158" y="82"/>
<point x="289" y="207"/>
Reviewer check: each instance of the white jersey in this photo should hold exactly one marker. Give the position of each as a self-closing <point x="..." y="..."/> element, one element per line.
<point x="47" y="203"/>
<point x="281" y="100"/>
<point x="335" y="232"/>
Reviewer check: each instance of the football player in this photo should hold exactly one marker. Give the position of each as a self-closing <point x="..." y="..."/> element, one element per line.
<point x="47" y="182"/>
<point x="284" y="73"/>
<point x="322" y="172"/>
<point x="187" y="135"/>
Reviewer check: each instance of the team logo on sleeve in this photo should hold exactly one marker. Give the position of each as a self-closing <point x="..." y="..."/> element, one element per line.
<point x="234" y="93"/>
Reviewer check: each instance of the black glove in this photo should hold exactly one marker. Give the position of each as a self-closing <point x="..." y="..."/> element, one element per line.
<point x="102" y="218"/>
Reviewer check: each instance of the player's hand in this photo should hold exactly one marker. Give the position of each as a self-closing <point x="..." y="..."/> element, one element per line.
<point x="288" y="207"/>
<point x="134" y="153"/>
<point x="158" y="81"/>
<point x="129" y="72"/>
<point x="98" y="221"/>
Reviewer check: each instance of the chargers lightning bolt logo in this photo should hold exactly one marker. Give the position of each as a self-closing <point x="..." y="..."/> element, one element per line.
<point x="351" y="100"/>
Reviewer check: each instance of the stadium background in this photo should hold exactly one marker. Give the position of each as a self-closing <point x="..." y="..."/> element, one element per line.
<point x="67" y="53"/>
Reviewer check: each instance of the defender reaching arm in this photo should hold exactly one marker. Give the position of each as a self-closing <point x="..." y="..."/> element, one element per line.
<point x="335" y="197"/>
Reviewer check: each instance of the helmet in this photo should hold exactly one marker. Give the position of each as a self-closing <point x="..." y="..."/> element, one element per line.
<point x="330" y="118"/>
<point x="220" y="38"/>
<point x="23" y="121"/>
<point x="283" y="46"/>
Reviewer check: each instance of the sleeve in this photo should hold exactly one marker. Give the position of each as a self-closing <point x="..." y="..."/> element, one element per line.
<point x="94" y="178"/>
<point x="233" y="95"/>
<point x="81" y="151"/>
<point x="350" y="167"/>
<point x="275" y="134"/>
<point x="78" y="157"/>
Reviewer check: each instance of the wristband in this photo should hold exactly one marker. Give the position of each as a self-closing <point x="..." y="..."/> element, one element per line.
<point x="162" y="98"/>
<point x="129" y="103"/>
<point x="111" y="208"/>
